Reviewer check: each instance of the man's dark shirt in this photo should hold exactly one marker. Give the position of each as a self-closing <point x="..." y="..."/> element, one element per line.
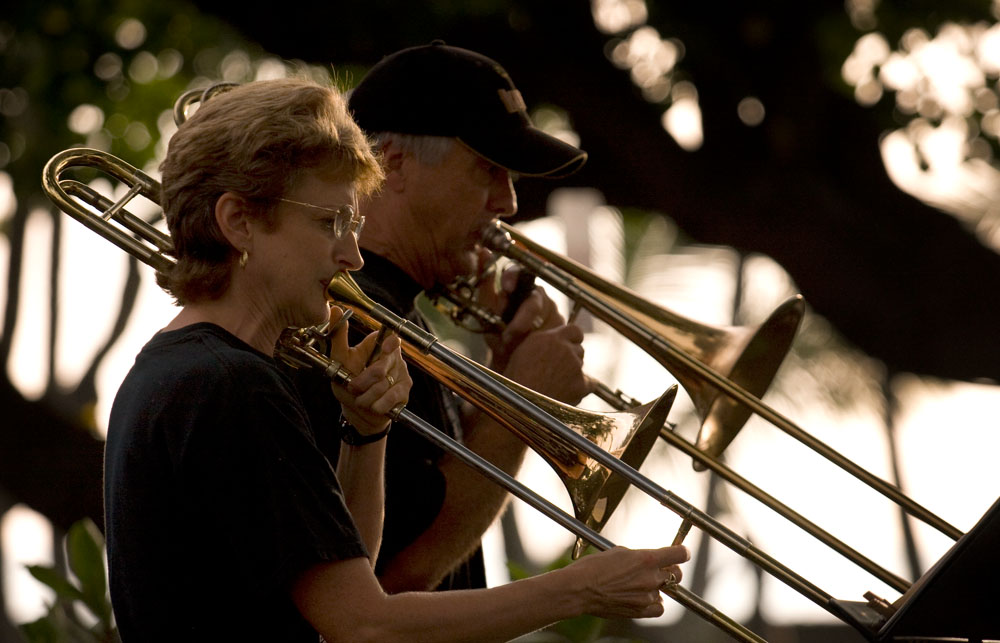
<point x="415" y="487"/>
<point x="216" y="495"/>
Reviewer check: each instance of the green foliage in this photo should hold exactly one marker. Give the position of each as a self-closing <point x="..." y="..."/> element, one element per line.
<point x="126" y="61"/>
<point x="80" y="599"/>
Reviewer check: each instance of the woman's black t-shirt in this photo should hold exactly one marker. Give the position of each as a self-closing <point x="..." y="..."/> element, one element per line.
<point x="216" y="495"/>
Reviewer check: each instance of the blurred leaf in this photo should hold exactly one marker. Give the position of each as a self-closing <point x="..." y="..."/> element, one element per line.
<point x="581" y="628"/>
<point x="51" y="577"/>
<point x="85" y="547"/>
<point x="517" y="571"/>
<point x="60" y="626"/>
<point x="42" y="630"/>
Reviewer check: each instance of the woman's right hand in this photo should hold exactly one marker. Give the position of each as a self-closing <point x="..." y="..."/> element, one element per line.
<point x="625" y="583"/>
<point x="375" y="389"/>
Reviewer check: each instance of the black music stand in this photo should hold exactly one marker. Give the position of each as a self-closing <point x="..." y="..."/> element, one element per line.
<point x="958" y="599"/>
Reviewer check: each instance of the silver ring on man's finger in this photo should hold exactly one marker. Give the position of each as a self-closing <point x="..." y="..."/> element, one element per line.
<point x="388" y="378"/>
<point x="537" y="322"/>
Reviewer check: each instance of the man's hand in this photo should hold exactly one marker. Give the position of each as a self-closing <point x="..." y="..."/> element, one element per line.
<point x="538" y="349"/>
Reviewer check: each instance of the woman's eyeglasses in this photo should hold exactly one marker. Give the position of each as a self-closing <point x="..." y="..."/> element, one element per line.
<point x="345" y="218"/>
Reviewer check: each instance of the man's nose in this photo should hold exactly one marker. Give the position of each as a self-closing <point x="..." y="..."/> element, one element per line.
<point x="503" y="198"/>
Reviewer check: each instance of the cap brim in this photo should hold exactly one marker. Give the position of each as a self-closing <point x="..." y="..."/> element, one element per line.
<point x="528" y="151"/>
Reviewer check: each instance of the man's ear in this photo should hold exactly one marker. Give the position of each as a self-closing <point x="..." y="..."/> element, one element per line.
<point x="232" y="217"/>
<point x="395" y="166"/>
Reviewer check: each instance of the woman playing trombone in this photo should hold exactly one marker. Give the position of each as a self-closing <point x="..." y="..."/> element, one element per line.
<point x="224" y="520"/>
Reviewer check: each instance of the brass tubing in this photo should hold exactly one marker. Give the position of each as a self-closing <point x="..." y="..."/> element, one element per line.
<point x="139" y="184"/>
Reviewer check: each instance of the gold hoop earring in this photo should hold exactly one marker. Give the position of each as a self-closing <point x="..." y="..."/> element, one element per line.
<point x="243" y="259"/>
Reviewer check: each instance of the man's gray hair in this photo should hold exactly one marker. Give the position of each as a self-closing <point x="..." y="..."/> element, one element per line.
<point x="429" y="150"/>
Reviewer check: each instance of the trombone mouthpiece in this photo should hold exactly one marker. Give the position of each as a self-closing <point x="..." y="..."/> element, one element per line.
<point x="343" y="289"/>
<point x="497" y="239"/>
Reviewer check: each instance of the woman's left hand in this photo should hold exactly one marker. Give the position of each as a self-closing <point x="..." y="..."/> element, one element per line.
<point x="375" y="389"/>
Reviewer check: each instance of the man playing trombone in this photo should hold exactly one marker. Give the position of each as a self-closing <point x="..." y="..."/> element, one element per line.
<point x="452" y="132"/>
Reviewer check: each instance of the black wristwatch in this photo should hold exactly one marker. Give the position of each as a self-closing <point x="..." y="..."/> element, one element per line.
<point x="350" y="435"/>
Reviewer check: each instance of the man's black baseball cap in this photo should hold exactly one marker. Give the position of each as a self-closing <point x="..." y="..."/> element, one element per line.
<point x="438" y="90"/>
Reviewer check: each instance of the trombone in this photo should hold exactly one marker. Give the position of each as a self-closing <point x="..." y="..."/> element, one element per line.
<point x="739" y="361"/>
<point x="493" y="393"/>
<point x="697" y="354"/>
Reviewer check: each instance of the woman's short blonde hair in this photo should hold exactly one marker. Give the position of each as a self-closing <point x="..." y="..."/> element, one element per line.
<point x="255" y="140"/>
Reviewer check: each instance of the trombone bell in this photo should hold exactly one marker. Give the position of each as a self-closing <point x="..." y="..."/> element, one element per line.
<point x="602" y="492"/>
<point x="751" y="357"/>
